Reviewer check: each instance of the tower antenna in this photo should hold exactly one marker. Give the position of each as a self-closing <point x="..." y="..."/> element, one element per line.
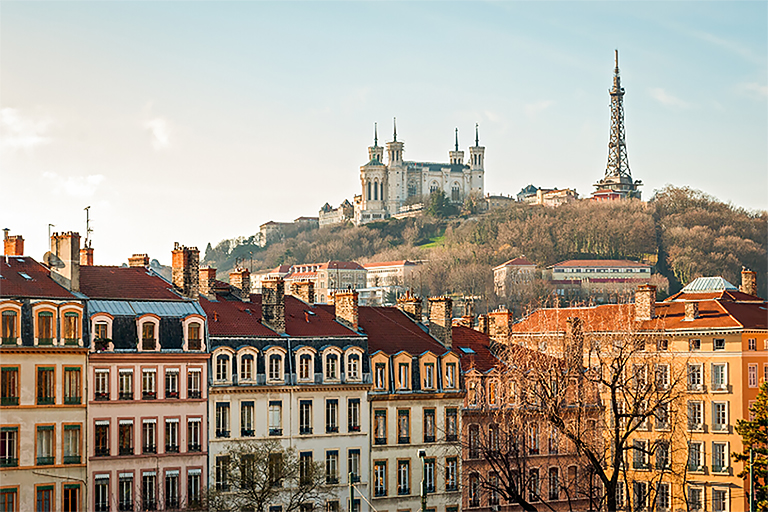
<point x="88" y="230"/>
<point x="375" y="135"/>
<point x="477" y="137"/>
<point x="457" y="139"/>
<point x="395" y="124"/>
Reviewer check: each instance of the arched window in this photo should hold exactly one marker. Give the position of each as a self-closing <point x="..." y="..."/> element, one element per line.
<point x="246" y="367"/>
<point x="9" y="327"/>
<point x="331" y="367"/>
<point x="369" y="190"/>
<point x="375" y="190"/>
<point x="305" y="367"/>
<point x="353" y="367"/>
<point x="45" y="328"/>
<point x="194" y="340"/>
<point x="222" y="367"/>
<point x="433" y="187"/>
<point x="455" y="192"/>
<point x="382" y="190"/>
<point x="275" y="367"/>
<point x="71" y="328"/>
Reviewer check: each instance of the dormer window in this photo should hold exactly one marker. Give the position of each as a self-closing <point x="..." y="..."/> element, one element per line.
<point x="246" y="367"/>
<point x="45" y="328"/>
<point x="353" y="367"/>
<point x="222" y="367"/>
<point x="194" y="340"/>
<point x="100" y="331"/>
<point x="9" y="327"/>
<point x="71" y="328"/>
<point x="403" y="370"/>
<point x="305" y="367"/>
<point x="450" y="376"/>
<point x="148" y="336"/>
<point x="429" y="375"/>
<point x="275" y="367"/>
<point x="380" y="375"/>
<point x="331" y="367"/>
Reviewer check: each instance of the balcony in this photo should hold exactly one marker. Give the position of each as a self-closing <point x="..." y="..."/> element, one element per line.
<point x="9" y="400"/>
<point x="194" y="447"/>
<point x="46" y="400"/>
<point x="222" y="433"/>
<point x="150" y="448"/>
<point x="9" y="462"/>
<point x="71" y="459"/>
<point x="275" y="431"/>
<point x="126" y="395"/>
<point x="148" y="395"/>
<point x="171" y="448"/>
<point x="126" y="450"/>
<point x="101" y="451"/>
<point x="73" y="400"/>
<point x="246" y="432"/>
<point x="194" y="394"/>
<point x="45" y="461"/>
<point x="101" y="396"/>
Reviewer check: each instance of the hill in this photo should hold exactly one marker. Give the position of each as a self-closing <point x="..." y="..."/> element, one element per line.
<point x="685" y="233"/>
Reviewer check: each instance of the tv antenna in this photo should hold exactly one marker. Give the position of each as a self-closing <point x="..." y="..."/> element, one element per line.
<point x="88" y="229"/>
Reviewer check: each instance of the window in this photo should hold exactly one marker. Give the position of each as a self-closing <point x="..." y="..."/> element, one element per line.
<point x="222" y="473"/>
<point x="534" y="485"/>
<point x="719" y="457"/>
<point x="71" y="497"/>
<point x="44" y="498"/>
<point x="719" y="377"/>
<point x="640" y="454"/>
<point x="695" y="499"/>
<point x="451" y="474"/>
<point x="353" y="415"/>
<point x="720" y="500"/>
<point x="474" y="490"/>
<point x="353" y="464"/>
<point x="100" y="332"/>
<point x="71" y="328"/>
<point x="305" y="417"/>
<point x="222" y="367"/>
<point x="125" y="382"/>
<point x="193" y="487"/>
<point x="148" y="338"/>
<point x="45" y="328"/>
<point x="331" y="416"/>
<point x="275" y="418"/>
<point x="474" y="441"/>
<point x="332" y="467"/>
<point x="72" y="385"/>
<point x="380" y="478"/>
<point x="718" y="344"/>
<point x="451" y="425"/>
<point x="403" y="426"/>
<point x="429" y="475"/>
<point x="331" y="367"/>
<point x="149" y="436"/>
<point x="720" y="416"/>
<point x="246" y="367"/>
<point x="125" y="437"/>
<point x="380" y="426"/>
<point x="275" y="367"/>
<point x="149" y="384"/>
<point x="429" y="375"/>
<point x="193" y="435"/>
<point x="172" y="383"/>
<point x="9" y="444"/>
<point x="171" y="489"/>
<point x="663" y="499"/>
<point x="403" y="477"/>
<point x="305" y="367"/>
<point x="194" y="377"/>
<point x="455" y="193"/>
<point x="305" y="468"/>
<point x="662" y="376"/>
<point x="493" y="495"/>
<point x="172" y="435"/>
<point x="46" y="385"/>
<point x="662" y="454"/>
<point x="9" y="328"/>
<point x="194" y="340"/>
<point x="101" y="384"/>
<point x="620" y="501"/>
<point x="752" y="344"/>
<point x="533" y="439"/>
<point x="101" y="493"/>
<point x="429" y="425"/>
<point x="380" y="375"/>
<point x="752" y="375"/>
<point x="71" y="444"/>
<point x="694" y="345"/>
<point x="402" y="375"/>
<point x="101" y="438"/>
<point x="125" y="491"/>
<point x="246" y="419"/>
<point x="695" y="377"/>
<point x="662" y="416"/>
<point x="353" y="367"/>
<point x="554" y="484"/>
<point x="148" y="491"/>
<point x="640" y="492"/>
<point x="492" y="396"/>
<point x="222" y="420"/>
<point x="45" y="455"/>
<point x="695" y="456"/>
<point x="695" y="416"/>
<point x="274" y="468"/>
<point x="9" y="386"/>
<point x="662" y="345"/>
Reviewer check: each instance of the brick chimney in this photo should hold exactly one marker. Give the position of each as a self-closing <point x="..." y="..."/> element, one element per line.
<point x="498" y="324"/>
<point x="273" y="304"/>
<point x="645" y="302"/>
<point x="482" y="324"/>
<point x="345" y="305"/>
<point x="207" y="278"/>
<point x="14" y="245"/>
<point x="748" y="281"/>
<point x="138" y="260"/>
<point x="304" y="290"/>
<point x="86" y="257"/>
<point x="468" y="319"/>
<point x="185" y="270"/>
<point x="411" y="305"/>
<point x="66" y="270"/>
<point x="691" y="310"/>
<point x="441" y="319"/>
<point x="574" y="342"/>
<point x="240" y="282"/>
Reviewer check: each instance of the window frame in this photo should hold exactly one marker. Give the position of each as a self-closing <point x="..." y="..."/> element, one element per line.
<point x="145" y="319"/>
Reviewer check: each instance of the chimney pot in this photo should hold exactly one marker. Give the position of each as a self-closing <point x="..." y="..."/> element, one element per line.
<point x="138" y="260"/>
<point x="691" y="310"/>
<point x="748" y="282"/>
<point x="86" y="257"/>
<point x="14" y="245"/>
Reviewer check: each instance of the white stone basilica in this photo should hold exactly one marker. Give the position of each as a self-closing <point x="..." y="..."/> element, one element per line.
<point x="387" y="187"/>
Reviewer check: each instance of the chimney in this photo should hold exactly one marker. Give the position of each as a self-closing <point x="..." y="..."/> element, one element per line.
<point x="304" y="290"/>
<point x="86" y="257"/>
<point x="748" y="280"/>
<point x="482" y="324"/>
<point x="411" y="305"/>
<point x="691" y="310"/>
<point x="574" y="342"/>
<point x="345" y="304"/>
<point x="138" y="260"/>
<point x="240" y="281"/>
<point x="441" y="319"/>
<point x="468" y="320"/>
<point x="66" y="247"/>
<point x="645" y="302"/>
<point x="207" y="278"/>
<point x="14" y="245"/>
<point x="185" y="263"/>
<point x="273" y="304"/>
<point x="498" y="324"/>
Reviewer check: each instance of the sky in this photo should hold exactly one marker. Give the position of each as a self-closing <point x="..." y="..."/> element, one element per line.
<point x="194" y="122"/>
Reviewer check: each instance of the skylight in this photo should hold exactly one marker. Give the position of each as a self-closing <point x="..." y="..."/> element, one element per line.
<point x="467" y="350"/>
<point x="25" y="276"/>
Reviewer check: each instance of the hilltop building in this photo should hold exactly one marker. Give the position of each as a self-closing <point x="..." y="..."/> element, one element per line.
<point x="574" y="277"/>
<point x="387" y="187"/>
<point x="330" y="216"/>
<point x="511" y="273"/>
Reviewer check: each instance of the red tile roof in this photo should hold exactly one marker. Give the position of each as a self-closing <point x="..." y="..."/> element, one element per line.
<point x="340" y="265"/>
<point x="599" y="263"/>
<point x="482" y="359"/>
<point x="398" y="263"/>
<point x="392" y="331"/>
<point x="724" y="295"/>
<point x="13" y="284"/>
<point x="517" y="262"/>
<point x="136" y="283"/>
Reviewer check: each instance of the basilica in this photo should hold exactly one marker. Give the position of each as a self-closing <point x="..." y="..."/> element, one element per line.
<point x="389" y="188"/>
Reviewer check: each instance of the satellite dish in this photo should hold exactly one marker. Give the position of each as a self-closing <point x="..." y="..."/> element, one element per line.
<point x="53" y="261"/>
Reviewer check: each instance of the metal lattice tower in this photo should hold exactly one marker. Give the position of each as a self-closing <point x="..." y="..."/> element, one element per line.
<point x="618" y="163"/>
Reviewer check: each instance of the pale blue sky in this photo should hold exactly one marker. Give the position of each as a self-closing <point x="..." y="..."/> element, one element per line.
<point x="198" y="121"/>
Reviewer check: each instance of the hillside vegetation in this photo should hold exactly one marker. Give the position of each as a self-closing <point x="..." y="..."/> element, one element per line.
<point x="685" y="233"/>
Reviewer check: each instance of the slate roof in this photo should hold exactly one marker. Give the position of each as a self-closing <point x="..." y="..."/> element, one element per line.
<point x="480" y="357"/>
<point x="435" y="166"/>
<point x="39" y="285"/>
<point x="599" y="263"/>
<point x="136" y="283"/>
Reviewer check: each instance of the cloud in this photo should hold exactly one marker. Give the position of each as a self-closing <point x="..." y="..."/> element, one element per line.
<point x="667" y="99"/>
<point x="75" y="186"/>
<point x="19" y="132"/>
<point x="531" y="109"/>
<point x="159" y="129"/>
<point x="755" y="89"/>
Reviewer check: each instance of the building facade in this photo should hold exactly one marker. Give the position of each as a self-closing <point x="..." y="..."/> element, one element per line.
<point x="517" y="271"/>
<point x="330" y="216"/>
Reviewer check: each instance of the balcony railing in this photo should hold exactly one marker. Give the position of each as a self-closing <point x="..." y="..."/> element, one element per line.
<point x="46" y="400"/>
<point x="380" y="440"/>
<point x="331" y="480"/>
<point x="222" y="433"/>
<point x="403" y="491"/>
<point x="45" y="341"/>
<point x="171" y="503"/>
<point x="380" y="491"/>
<point x="45" y="461"/>
<point x="126" y="506"/>
<point x="9" y="400"/>
<point x="126" y="450"/>
<point x="71" y="459"/>
<point x="148" y="505"/>
<point x="194" y="394"/>
<point x="70" y="341"/>
<point x="451" y="438"/>
<point x="246" y="432"/>
<point x="275" y="431"/>
<point x="194" y="345"/>
<point x="330" y="429"/>
<point x="101" y="345"/>
<point x="148" y="395"/>
<point x="171" y="394"/>
<point x="429" y="439"/>
<point x="354" y="428"/>
<point x="9" y="462"/>
<point x="305" y="431"/>
<point x="193" y="447"/>
<point x="101" y="396"/>
<point x="72" y="400"/>
<point x="148" y="344"/>
<point x="171" y="448"/>
<point x="126" y="395"/>
<point x="101" y="451"/>
<point x="9" y="341"/>
<point x="150" y="448"/>
<point x="403" y="439"/>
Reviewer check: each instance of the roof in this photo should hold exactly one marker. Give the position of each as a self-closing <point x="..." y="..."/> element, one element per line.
<point x="301" y="275"/>
<point x="517" y="262"/>
<point x="708" y="284"/>
<point x="392" y="331"/>
<point x="340" y="265"/>
<point x="478" y="355"/>
<point x="398" y="263"/>
<point x="178" y="309"/>
<point x="436" y="166"/>
<point x="280" y="269"/>
<point x="599" y="263"/>
<point x="708" y="288"/>
<point x="137" y="283"/>
<point x="22" y="276"/>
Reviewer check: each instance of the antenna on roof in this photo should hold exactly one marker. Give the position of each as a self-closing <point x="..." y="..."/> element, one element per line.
<point x="88" y="230"/>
